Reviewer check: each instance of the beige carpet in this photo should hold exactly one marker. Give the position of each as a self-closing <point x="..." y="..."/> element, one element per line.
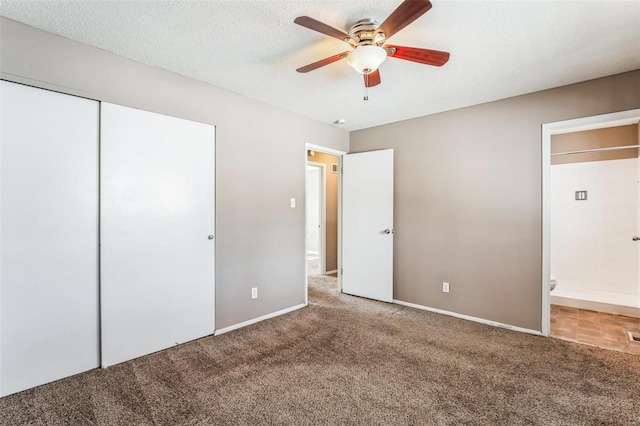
<point x="345" y="360"/>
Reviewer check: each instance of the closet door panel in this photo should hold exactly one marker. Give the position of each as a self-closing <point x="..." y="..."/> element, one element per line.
<point x="157" y="213"/>
<point x="48" y="236"/>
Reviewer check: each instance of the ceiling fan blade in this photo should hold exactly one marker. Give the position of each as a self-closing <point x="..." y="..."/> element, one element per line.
<point x="320" y="27"/>
<point x="323" y="62"/>
<point x="372" y="79"/>
<point x="422" y="56"/>
<point x="406" y="13"/>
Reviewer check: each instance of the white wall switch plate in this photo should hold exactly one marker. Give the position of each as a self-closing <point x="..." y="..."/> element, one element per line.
<point x="254" y="292"/>
<point x="293" y="203"/>
<point x="445" y="287"/>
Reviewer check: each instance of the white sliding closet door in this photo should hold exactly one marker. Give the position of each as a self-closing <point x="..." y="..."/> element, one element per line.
<point x="157" y="225"/>
<point x="48" y="236"/>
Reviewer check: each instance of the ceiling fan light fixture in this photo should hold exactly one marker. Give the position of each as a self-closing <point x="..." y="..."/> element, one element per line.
<point x="366" y="59"/>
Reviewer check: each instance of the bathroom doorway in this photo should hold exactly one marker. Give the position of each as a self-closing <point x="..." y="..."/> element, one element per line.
<point x="591" y="221"/>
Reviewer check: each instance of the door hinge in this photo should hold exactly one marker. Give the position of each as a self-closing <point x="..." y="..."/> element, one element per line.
<point x="341" y="271"/>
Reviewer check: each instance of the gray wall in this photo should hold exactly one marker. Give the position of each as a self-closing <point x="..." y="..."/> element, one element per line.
<point x="260" y="159"/>
<point x="468" y="187"/>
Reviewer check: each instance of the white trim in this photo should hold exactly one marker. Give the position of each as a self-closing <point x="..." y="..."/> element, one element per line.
<point x="339" y="254"/>
<point x="331" y="272"/>
<point x="613" y="119"/>
<point x="469" y="318"/>
<point x="576" y="125"/>
<point x="546" y="231"/>
<point x="628" y="311"/>
<point x="319" y="148"/>
<point x="306" y="261"/>
<point x="322" y="217"/>
<point x="213" y="224"/>
<point x="256" y="320"/>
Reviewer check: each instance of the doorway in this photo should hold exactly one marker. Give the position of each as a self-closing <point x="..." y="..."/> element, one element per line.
<point x="362" y="203"/>
<point x="591" y="189"/>
<point x="323" y="214"/>
<point x="316" y="236"/>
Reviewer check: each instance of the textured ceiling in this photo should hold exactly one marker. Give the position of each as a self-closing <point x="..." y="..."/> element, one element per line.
<point x="498" y="48"/>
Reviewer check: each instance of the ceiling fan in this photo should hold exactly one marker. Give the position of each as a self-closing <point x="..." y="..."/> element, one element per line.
<point x="368" y="37"/>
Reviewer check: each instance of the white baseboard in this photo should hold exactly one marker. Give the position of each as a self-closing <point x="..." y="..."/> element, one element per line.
<point x="469" y="318"/>
<point x="255" y="320"/>
<point x="629" y="311"/>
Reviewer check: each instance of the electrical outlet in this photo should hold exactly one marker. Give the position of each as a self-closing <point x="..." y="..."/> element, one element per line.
<point x="445" y="287"/>
<point x="254" y="292"/>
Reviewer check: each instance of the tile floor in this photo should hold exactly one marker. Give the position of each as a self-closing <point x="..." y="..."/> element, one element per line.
<point x="595" y="328"/>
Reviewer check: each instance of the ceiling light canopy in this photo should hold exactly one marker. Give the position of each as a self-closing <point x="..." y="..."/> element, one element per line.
<point x="366" y="59"/>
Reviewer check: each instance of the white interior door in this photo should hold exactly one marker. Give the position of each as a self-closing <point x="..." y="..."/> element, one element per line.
<point x="367" y="225"/>
<point x="48" y="236"/>
<point x="157" y="225"/>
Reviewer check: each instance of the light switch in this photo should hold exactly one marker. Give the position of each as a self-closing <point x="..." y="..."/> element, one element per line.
<point x="293" y="203"/>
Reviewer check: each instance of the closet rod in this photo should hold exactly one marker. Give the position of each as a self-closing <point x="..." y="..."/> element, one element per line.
<point x="611" y="148"/>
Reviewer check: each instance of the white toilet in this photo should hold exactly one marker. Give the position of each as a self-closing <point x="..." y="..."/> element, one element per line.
<point x="552" y="283"/>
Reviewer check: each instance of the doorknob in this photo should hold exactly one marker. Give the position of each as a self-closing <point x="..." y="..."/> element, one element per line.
<point x="210" y="237"/>
<point x="388" y="231"/>
<point x="636" y="238"/>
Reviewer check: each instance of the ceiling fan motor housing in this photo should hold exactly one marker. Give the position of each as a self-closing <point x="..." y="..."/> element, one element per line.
<point x="363" y="33"/>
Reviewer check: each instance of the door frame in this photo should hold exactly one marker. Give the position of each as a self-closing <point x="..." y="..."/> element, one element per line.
<point x="339" y="154"/>
<point x="548" y="129"/>
<point x="322" y="195"/>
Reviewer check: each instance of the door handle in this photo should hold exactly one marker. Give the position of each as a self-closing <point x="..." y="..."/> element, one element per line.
<point x="210" y="237"/>
<point x="388" y="231"/>
<point x="636" y="238"/>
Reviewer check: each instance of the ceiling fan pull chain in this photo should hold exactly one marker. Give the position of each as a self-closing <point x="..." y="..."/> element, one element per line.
<point x="366" y="87"/>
